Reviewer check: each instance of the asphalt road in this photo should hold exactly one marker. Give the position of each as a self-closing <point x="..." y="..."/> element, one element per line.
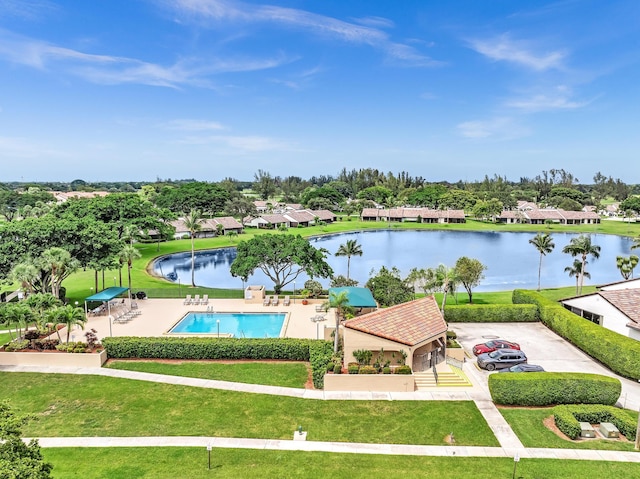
<point x="542" y="346"/>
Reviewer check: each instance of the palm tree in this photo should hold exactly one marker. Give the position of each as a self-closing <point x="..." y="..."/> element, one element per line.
<point x="60" y="263"/>
<point x="26" y="274"/>
<point x="340" y="301"/>
<point x="544" y="244"/>
<point x="193" y="222"/>
<point x="626" y="264"/>
<point x="582" y="247"/>
<point x="577" y="271"/>
<point x="349" y="249"/>
<point x="128" y="253"/>
<point x="70" y="316"/>
<point x="447" y="281"/>
<point x="636" y="243"/>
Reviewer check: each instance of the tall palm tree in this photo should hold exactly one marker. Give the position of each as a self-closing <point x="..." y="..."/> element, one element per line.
<point x="577" y="271"/>
<point x="544" y="244"/>
<point x="193" y="222"/>
<point x="349" y="249"/>
<point x="582" y="247"/>
<point x="340" y="301"/>
<point x="447" y="281"/>
<point x="70" y="316"/>
<point x="128" y="253"/>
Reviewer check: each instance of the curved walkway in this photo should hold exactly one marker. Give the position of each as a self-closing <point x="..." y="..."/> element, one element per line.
<point x="510" y="444"/>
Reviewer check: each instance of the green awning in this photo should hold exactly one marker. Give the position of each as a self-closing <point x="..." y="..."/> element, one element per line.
<point x="358" y="297"/>
<point x="107" y="294"/>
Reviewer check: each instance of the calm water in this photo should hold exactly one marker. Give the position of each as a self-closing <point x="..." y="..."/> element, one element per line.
<point x="511" y="261"/>
<point x="240" y="325"/>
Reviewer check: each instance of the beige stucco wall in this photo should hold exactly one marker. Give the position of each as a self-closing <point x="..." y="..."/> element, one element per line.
<point x="77" y="360"/>
<point x="456" y="353"/>
<point x="369" y="382"/>
<point x="354" y="340"/>
<point x="254" y="294"/>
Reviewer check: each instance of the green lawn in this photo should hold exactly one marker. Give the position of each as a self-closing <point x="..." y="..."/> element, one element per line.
<point x="527" y="424"/>
<point x="74" y="405"/>
<point x="293" y="375"/>
<point x="192" y="463"/>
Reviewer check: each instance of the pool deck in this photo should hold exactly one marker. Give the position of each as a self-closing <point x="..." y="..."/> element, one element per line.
<point x="157" y="316"/>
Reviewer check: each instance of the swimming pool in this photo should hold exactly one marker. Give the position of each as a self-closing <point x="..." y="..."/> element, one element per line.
<point x="239" y="325"/>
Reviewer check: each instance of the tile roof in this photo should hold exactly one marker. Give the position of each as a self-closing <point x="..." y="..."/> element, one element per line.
<point x="625" y="300"/>
<point x="407" y="323"/>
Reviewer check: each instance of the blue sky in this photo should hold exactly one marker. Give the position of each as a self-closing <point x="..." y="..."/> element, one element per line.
<point x="206" y="89"/>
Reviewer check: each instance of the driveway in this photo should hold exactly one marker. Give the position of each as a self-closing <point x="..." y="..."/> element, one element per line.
<point x="542" y="346"/>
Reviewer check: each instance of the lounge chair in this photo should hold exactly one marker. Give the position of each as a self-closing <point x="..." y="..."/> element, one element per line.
<point x="266" y="301"/>
<point x="187" y="300"/>
<point x="320" y="308"/>
<point x="286" y="301"/>
<point x="196" y="299"/>
<point x="205" y="299"/>
<point x="275" y="300"/>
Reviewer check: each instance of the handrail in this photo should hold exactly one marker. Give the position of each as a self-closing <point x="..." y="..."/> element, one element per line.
<point x="435" y="374"/>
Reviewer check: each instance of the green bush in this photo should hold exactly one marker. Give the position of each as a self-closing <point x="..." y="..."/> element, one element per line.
<point x="569" y="417"/>
<point x="353" y="369"/>
<point x="452" y="335"/>
<point x="545" y="389"/>
<point x="386" y="370"/>
<point x="320" y="353"/>
<point x="17" y="345"/>
<point x="367" y="370"/>
<point x="491" y="313"/>
<point x="619" y="353"/>
<point x="337" y="369"/>
<point x="330" y="366"/>
<point x="404" y="369"/>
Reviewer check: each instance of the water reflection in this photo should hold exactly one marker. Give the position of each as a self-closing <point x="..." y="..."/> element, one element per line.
<point x="511" y="261"/>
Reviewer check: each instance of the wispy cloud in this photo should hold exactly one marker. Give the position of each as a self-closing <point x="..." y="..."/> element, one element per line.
<point x="193" y="125"/>
<point x="366" y="33"/>
<point x="26" y="9"/>
<point x="500" y="128"/>
<point x="558" y="99"/>
<point x="504" y="48"/>
<point x="375" y="22"/>
<point x="106" y="69"/>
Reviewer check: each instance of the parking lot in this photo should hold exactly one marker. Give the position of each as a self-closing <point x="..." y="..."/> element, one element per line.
<point x="543" y="347"/>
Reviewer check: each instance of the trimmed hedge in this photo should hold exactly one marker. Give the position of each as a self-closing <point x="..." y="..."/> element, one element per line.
<point x="569" y="417"/>
<point x="619" y="353"/>
<point x="491" y="313"/>
<point x="545" y="389"/>
<point x="318" y="353"/>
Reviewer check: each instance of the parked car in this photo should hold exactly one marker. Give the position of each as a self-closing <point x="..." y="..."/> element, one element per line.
<point x="524" y="368"/>
<point x="501" y="358"/>
<point x="493" y="345"/>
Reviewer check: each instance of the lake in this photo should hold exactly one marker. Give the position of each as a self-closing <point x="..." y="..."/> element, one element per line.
<point x="511" y="261"/>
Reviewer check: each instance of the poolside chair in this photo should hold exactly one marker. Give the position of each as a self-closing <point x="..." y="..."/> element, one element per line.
<point x="266" y="301"/>
<point x="196" y="299"/>
<point x="275" y="300"/>
<point x="187" y="300"/>
<point x="205" y="299"/>
<point x="286" y="301"/>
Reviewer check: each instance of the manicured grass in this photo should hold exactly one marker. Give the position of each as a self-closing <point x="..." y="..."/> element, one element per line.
<point x="192" y="463"/>
<point x="5" y="338"/>
<point x="527" y="424"/>
<point x="73" y="405"/>
<point x="293" y="375"/>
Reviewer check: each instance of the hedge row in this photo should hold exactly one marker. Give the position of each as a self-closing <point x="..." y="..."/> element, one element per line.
<point x="207" y="348"/>
<point x="491" y="313"/>
<point x="320" y="353"/>
<point x="568" y="418"/>
<point x="619" y="353"/>
<point x="545" y="389"/>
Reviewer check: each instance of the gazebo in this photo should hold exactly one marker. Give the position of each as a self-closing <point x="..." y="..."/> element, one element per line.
<point x="105" y="296"/>
<point x="358" y="298"/>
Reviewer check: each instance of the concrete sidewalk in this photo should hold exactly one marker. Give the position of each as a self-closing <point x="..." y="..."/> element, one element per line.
<point x="340" y="447"/>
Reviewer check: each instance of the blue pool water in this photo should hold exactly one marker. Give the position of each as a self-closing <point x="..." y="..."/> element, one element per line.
<point x="239" y="325"/>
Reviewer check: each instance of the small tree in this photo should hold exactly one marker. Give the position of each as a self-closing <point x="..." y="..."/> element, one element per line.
<point x="19" y="459"/>
<point x="70" y="316"/>
<point x="470" y="272"/>
<point x="626" y="264"/>
<point x="388" y="288"/>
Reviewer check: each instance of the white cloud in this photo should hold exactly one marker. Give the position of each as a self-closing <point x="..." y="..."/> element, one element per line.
<point x="367" y="33"/>
<point x="376" y="22"/>
<point x="26" y="9"/>
<point x="500" y="128"/>
<point x="558" y="99"/>
<point x="503" y="48"/>
<point x="193" y="125"/>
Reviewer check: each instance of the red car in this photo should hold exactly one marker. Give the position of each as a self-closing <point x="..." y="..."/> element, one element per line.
<point x="493" y="345"/>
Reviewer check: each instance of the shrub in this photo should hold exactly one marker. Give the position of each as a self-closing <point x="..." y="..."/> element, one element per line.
<point x="386" y="370"/>
<point x="46" y="344"/>
<point x="330" y="366"/>
<point x="544" y="389"/>
<point x="404" y="369"/>
<point x="337" y="369"/>
<point x="320" y="353"/>
<point x="568" y="418"/>
<point x="619" y="353"/>
<point x="363" y="356"/>
<point x="78" y="347"/>
<point x="17" y="345"/>
<point x="367" y="370"/>
<point x="353" y="369"/>
<point x="32" y="334"/>
<point x="452" y="335"/>
<point x="491" y="313"/>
